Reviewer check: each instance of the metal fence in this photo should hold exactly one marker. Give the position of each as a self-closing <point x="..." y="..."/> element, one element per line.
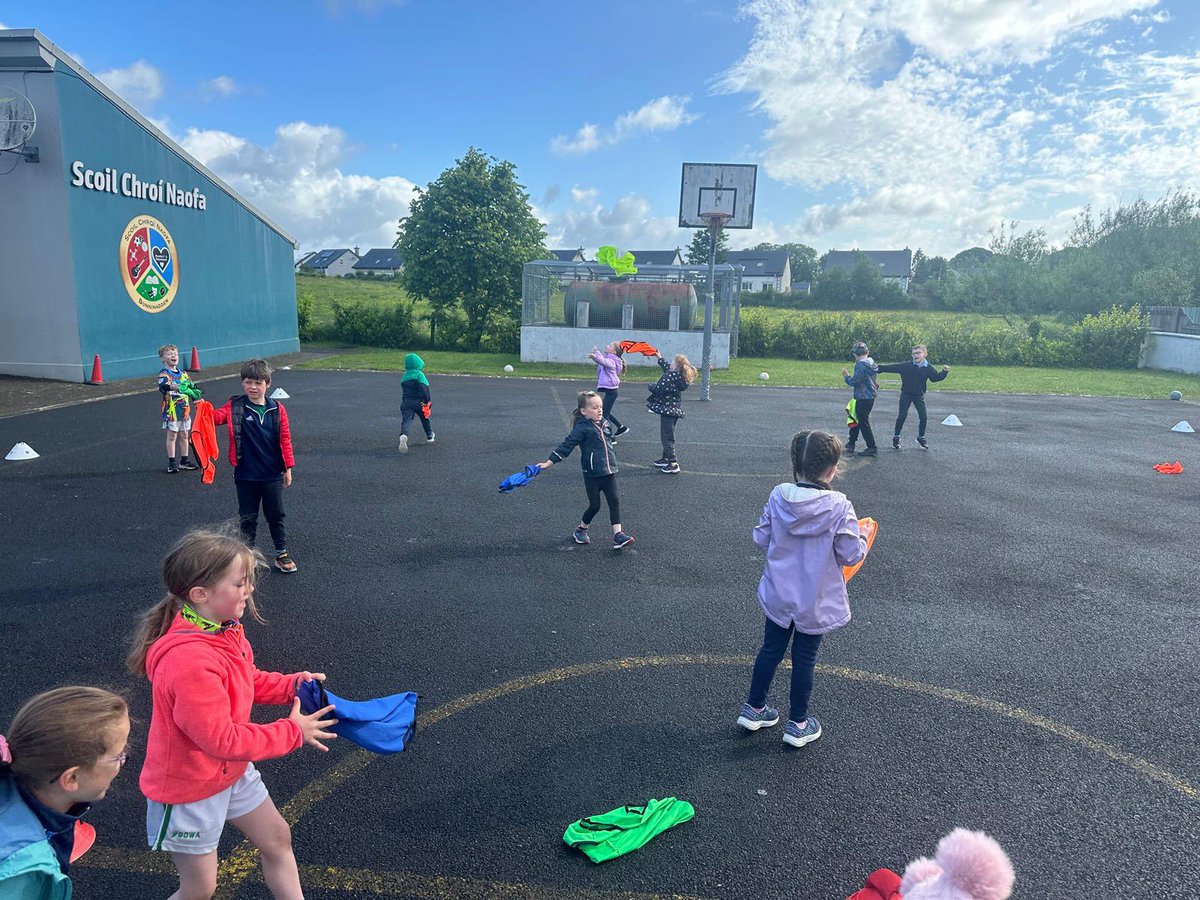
<point x="552" y="293"/>
<point x="1174" y="319"/>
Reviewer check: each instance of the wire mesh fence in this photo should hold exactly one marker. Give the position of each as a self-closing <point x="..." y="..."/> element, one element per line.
<point x="661" y="298"/>
<point x="1174" y="319"/>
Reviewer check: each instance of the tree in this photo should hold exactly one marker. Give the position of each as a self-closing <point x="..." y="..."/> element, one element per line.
<point x="465" y="240"/>
<point x="697" y="251"/>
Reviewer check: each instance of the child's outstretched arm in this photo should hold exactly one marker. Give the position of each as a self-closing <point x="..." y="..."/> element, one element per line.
<point x="940" y="376"/>
<point x="563" y="450"/>
<point x="201" y="711"/>
<point x="891" y="367"/>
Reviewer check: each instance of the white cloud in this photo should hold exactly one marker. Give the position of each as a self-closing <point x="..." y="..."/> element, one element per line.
<point x="140" y="84"/>
<point x="627" y="223"/>
<point x="299" y="182"/>
<point x="221" y="86"/>
<point x="925" y="122"/>
<point x="663" y="114"/>
<point x="3" y="27"/>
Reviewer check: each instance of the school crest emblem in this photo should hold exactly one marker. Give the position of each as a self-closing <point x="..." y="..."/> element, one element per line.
<point x="149" y="265"/>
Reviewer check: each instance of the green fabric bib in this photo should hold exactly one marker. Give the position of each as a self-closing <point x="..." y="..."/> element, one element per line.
<point x="623" y="830"/>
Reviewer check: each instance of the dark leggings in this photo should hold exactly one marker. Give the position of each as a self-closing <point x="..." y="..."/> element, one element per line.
<point x="666" y="431"/>
<point x="919" y="403"/>
<point x="268" y="494"/>
<point x="609" y="398"/>
<point x="606" y="485"/>
<point x="862" y="412"/>
<point x="804" y="660"/>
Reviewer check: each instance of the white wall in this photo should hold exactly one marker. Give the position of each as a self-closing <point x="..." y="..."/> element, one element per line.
<point x="1173" y="352"/>
<point x="37" y="277"/>
<point x="559" y="343"/>
<point x="343" y="265"/>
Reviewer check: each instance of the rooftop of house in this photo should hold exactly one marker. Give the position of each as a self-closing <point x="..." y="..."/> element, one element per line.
<point x="383" y="258"/>
<point x="892" y="263"/>
<point x="760" y="262"/>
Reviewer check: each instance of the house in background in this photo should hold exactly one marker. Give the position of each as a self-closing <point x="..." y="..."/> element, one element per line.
<point x="333" y="263"/>
<point x="386" y="262"/>
<point x="568" y="255"/>
<point x="896" y="266"/>
<point x="658" y="257"/>
<point x="303" y="260"/>
<point x="763" y="270"/>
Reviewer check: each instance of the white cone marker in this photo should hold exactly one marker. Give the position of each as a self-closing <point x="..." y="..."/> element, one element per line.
<point x="1183" y="428"/>
<point x="280" y="394"/>
<point x="952" y="420"/>
<point x="22" y="450"/>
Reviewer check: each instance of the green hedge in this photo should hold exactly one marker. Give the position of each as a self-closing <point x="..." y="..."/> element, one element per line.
<point x="1108" y="340"/>
<point x="391" y="326"/>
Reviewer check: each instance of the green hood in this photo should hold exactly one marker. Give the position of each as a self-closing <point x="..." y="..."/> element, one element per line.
<point x="413" y="365"/>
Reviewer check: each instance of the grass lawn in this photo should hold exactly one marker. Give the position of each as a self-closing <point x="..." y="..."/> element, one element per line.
<point x="1140" y="383"/>
<point x="323" y="291"/>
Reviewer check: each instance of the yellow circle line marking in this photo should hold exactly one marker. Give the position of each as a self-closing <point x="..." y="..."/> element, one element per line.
<point x="243" y="862"/>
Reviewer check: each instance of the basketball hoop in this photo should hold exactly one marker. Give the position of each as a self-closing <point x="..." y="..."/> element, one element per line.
<point x="716" y="220"/>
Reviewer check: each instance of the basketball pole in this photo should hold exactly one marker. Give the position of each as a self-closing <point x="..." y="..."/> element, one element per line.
<point x="714" y="225"/>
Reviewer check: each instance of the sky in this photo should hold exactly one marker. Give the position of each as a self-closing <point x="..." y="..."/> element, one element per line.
<point x="876" y="124"/>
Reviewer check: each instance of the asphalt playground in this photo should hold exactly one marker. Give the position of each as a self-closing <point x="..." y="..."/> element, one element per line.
<point x="1022" y="657"/>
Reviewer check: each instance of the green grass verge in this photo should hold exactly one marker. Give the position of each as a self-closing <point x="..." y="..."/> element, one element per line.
<point x="1139" y="383"/>
<point x="321" y="292"/>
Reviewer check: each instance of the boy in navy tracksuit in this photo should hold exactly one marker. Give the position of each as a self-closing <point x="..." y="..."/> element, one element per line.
<point x="914" y="380"/>
<point x="865" y="390"/>
<point x="260" y="450"/>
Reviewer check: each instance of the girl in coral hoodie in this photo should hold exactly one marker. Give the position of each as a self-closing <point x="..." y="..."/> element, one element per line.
<point x="199" y="771"/>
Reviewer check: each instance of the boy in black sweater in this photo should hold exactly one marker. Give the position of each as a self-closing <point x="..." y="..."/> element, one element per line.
<point x="914" y="380"/>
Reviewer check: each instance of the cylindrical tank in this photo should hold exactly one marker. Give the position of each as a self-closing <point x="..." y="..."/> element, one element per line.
<point x="651" y="301"/>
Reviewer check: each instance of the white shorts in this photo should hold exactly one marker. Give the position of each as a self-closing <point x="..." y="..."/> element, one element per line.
<point x="196" y="827"/>
<point x="182" y="425"/>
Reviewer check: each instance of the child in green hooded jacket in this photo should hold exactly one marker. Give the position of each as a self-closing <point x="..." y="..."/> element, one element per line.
<point x="415" y="387"/>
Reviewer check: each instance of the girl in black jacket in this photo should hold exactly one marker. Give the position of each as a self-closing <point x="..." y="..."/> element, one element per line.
<point x="667" y="403"/>
<point x="599" y="462"/>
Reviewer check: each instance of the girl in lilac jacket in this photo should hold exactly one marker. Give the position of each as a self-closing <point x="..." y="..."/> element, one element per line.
<point x="808" y="532"/>
<point x="609" y="369"/>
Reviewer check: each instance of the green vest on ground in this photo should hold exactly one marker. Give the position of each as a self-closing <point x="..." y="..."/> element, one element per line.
<point x="620" y="831"/>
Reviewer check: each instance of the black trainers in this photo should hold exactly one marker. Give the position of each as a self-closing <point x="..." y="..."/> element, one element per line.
<point x="870" y="451"/>
<point x="624" y="429"/>
<point x="661" y="462"/>
<point x="848" y="450"/>
<point x="621" y="540"/>
<point x="172" y="469"/>
<point x="671" y="468"/>
<point x="581" y="535"/>
<point x="186" y="463"/>
<point x="896" y="442"/>
<point x="922" y="443"/>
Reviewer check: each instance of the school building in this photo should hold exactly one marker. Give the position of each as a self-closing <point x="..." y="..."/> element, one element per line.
<point x="114" y="240"/>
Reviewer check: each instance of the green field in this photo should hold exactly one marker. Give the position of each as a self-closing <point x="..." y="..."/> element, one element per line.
<point x="1138" y="383"/>
<point x="783" y="372"/>
<point x="321" y="292"/>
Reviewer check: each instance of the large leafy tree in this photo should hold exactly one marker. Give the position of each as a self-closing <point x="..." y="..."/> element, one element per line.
<point x="697" y="251"/>
<point x="465" y="240"/>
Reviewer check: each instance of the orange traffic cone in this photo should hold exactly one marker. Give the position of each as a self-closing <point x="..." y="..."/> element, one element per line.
<point x="97" y="374"/>
<point x="195" y="366"/>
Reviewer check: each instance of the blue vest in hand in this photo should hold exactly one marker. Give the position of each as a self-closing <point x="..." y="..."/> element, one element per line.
<point x="382" y="726"/>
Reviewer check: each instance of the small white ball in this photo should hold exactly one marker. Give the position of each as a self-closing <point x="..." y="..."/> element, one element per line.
<point x="1176" y="395"/>
<point x="508" y="368"/>
<point x="763" y="376"/>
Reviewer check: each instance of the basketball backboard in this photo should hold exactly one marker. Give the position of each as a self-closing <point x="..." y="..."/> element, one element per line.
<point x="717" y="188"/>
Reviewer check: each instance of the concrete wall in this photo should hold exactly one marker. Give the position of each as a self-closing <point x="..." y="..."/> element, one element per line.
<point x="1174" y="352"/>
<point x="39" y="336"/>
<point x="557" y="343"/>
<point x="236" y="297"/>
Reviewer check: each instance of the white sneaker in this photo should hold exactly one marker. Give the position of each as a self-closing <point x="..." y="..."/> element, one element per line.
<point x="403" y="443"/>
<point x="432" y="439"/>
